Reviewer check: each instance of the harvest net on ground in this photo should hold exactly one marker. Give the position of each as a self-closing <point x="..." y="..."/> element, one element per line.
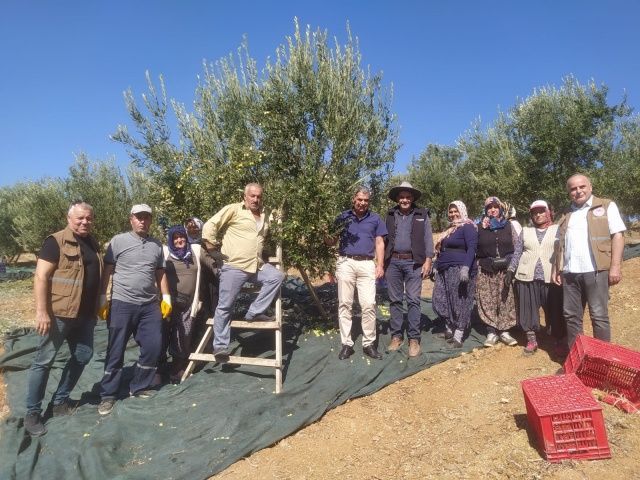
<point x="216" y="417"/>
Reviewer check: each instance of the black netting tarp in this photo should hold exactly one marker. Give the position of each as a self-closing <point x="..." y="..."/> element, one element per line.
<point x="216" y="417"/>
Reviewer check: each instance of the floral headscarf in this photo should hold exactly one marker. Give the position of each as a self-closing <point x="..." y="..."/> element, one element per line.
<point x="494" y="223"/>
<point x="183" y="253"/>
<point x="454" y="225"/>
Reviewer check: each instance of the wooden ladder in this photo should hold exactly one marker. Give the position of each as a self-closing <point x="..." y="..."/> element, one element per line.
<point x="276" y="326"/>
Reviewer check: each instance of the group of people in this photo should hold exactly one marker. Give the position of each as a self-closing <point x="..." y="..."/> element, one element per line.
<point x="506" y="272"/>
<point x="155" y="293"/>
<point x="158" y="294"/>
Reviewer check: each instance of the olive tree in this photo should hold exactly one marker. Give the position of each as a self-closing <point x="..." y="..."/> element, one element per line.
<point x="310" y="127"/>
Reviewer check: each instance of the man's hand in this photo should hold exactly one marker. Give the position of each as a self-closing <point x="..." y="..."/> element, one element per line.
<point x="379" y="271"/>
<point x="615" y="275"/>
<point x="43" y="323"/>
<point x="103" y="310"/>
<point x="557" y="278"/>
<point x="165" y="306"/>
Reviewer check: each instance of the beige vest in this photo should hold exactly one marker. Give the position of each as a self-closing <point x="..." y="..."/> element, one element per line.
<point x="532" y="251"/>
<point x="598" y="231"/>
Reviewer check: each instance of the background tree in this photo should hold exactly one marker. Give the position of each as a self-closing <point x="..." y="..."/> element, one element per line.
<point x="310" y="127"/>
<point x="9" y="247"/>
<point x="437" y="174"/>
<point x="531" y="150"/>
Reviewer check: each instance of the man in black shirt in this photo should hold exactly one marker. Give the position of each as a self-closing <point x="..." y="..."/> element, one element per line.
<point x="66" y="288"/>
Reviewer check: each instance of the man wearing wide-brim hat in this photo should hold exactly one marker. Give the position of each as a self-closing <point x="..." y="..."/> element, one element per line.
<point x="408" y="259"/>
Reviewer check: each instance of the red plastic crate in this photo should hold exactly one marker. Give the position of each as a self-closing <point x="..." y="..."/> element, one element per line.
<point x="605" y="366"/>
<point x="566" y="419"/>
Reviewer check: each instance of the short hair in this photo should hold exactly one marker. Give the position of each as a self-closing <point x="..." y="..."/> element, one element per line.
<point x="81" y="205"/>
<point x="252" y="185"/>
<point x="578" y="175"/>
<point x="361" y="189"/>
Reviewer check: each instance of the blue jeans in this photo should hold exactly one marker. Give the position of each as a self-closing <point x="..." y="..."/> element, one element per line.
<point x="404" y="278"/>
<point x="579" y="289"/>
<point x="144" y="322"/>
<point x="78" y="332"/>
<point x="231" y="281"/>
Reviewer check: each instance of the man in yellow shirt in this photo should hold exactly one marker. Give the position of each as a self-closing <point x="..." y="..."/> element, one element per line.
<point x="243" y="227"/>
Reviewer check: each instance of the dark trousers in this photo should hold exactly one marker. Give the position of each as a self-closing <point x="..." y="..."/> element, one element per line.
<point x="78" y="332"/>
<point x="580" y="289"/>
<point x="144" y="322"/>
<point x="535" y="294"/>
<point x="404" y="280"/>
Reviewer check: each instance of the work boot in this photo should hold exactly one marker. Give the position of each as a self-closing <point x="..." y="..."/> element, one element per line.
<point x="414" y="347"/>
<point x="396" y="343"/>
<point x="65" y="408"/>
<point x="33" y="425"/>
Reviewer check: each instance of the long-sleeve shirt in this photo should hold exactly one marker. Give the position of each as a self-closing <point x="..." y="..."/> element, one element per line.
<point x="242" y="236"/>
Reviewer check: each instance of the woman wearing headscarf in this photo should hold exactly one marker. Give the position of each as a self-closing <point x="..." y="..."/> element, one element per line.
<point x="531" y="263"/>
<point x="497" y="239"/>
<point x="193" y="226"/>
<point x="456" y="274"/>
<point x="188" y="268"/>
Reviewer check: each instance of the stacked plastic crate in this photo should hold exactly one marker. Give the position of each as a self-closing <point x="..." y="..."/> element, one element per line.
<point x="567" y="421"/>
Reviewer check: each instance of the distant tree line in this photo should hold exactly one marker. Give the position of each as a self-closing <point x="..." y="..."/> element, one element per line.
<point x="529" y="152"/>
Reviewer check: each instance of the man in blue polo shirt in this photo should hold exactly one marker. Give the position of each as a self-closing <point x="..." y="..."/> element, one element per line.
<point x="361" y="242"/>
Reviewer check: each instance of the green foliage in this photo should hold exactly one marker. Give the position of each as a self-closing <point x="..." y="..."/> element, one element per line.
<point x="310" y="127"/>
<point x="437" y="173"/>
<point x="38" y="209"/>
<point x="33" y="210"/>
<point x="9" y="247"/>
<point x="529" y="152"/>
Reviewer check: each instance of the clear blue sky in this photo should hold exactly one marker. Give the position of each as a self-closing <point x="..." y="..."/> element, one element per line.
<point x="64" y="65"/>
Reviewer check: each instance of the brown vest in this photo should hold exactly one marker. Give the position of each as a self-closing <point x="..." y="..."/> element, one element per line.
<point x="598" y="231"/>
<point x="65" y="285"/>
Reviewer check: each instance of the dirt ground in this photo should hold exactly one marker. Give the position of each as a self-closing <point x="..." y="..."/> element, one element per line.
<point x="463" y="419"/>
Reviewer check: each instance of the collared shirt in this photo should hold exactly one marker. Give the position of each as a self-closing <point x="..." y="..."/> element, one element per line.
<point x="358" y="235"/>
<point x="242" y="236"/>
<point x="577" y="253"/>
<point x="136" y="260"/>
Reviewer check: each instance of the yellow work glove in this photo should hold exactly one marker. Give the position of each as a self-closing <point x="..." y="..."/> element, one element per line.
<point x="103" y="310"/>
<point x="165" y="306"/>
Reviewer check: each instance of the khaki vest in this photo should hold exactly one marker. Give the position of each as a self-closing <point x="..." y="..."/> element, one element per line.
<point x="534" y="251"/>
<point x="65" y="285"/>
<point x="598" y="231"/>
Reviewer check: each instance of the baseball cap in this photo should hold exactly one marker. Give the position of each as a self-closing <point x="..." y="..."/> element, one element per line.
<point x="141" y="208"/>
<point x="539" y="204"/>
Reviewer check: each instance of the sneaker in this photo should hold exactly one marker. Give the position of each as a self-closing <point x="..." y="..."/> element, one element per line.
<point x="106" y="406"/>
<point x="144" y="393"/>
<point x="491" y="340"/>
<point x="33" y="425"/>
<point x="65" y="408"/>
<point x="508" y="339"/>
<point x="447" y="334"/>
<point x="531" y="348"/>
<point x="454" y="343"/>
<point x="260" y="318"/>
<point x="221" y="355"/>
<point x="396" y="343"/>
<point x="414" y="347"/>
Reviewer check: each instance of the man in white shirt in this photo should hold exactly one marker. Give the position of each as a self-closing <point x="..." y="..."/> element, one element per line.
<point x="589" y="258"/>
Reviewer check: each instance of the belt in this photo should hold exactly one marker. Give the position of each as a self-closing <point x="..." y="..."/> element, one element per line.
<point x="402" y="256"/>
<point x="454" y="249"/>
<point x="359" y="257"/>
